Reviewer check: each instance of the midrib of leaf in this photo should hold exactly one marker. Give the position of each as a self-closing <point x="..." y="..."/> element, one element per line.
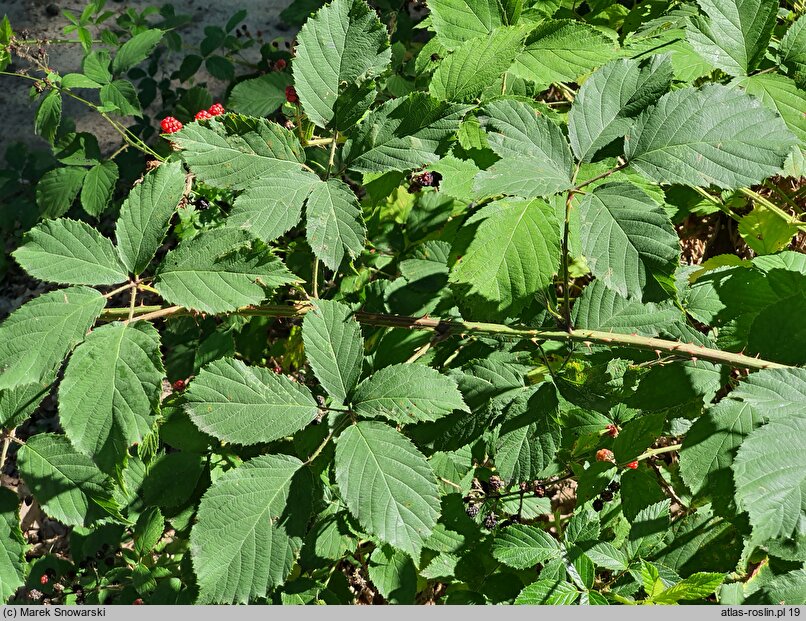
<point x="63" y="497"/>
<point x="259" y="516"/>
<point x="390" y="475"/>
<point x="502" y="260"/>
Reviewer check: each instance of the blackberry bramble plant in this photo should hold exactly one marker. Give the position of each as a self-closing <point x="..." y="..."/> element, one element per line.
<point x="435" y="338"/>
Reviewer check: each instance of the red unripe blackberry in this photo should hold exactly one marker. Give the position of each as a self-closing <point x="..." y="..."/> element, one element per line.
<point x="43" y="579"/>
<point x="216" y="109"/>
<point x="605" y="455"/>
<point x="202" y="115"/>
<point x="138" y="602"/>
<point x="179" y="385"/>
<point x="291" y="94"/>
<point x="633" y="465"/>
<point x="170" y="125"/>
<point x="280" y="65"/>
<point x="612" y="431"/>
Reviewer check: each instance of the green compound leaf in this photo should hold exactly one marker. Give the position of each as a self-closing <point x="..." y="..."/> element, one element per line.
<point x="781" y="94"/>
<point x="514" y="254"/>
<point x="476" y="64"/>
<point x="388" y="485"/>
<point x="136" y="49"/>
<point x="521" y="546"/>
<point x="70" y="252"/>
<point x="770" y="474"/>
<point x="220" y="271"/>
<point x="272" y="204"/>
<point x="394" y="574"/>
<point x="458" y="21"/>
<point x="334" y="347"/>
<point x="735" y="33"/>
<point x="99" y="184"/>
<point x="529" y="436"/>
<point x="57" y="189"/>
<point x="38" y="335"/>
<point x="605" y="104"/>
<point x="343" y="44"/>
<point x="110" y="394"/>
<point x="120" y="97"/>
<point x="12" y="556"/>
<point x="18" y="403"/>
<point x="70" y="488"/>
<point x="697" y="586"/>
<point x="335" y="223"/>
<point x="536" y="158"/>
<point x="259" y="96"/>
<point x="548" y="592"/>
<point x="249" y="529"/>
<point x="774" y="393"/>
<point x="403" y="133"/>
<point x="238" y="150"/>
<point x="710" y="446"/>
<point x="246" y="404"/>
<point x="49" y="115"/>
<point x="601" y="308"/>
<point x="562" y="51"/>
<point x="408" y="393"/>
<point x="714" y="135"/>
<point x="792" y="50"/>
<point x="146" y="214"/>
<point x="625" y="237"/>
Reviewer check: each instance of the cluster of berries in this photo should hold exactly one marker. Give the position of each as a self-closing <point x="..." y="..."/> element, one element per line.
<point x="490" y="520"/>
<point x="171" y="125"/>
<point x="606" y="495"/>
<point x="424" y="179"/>
<point x="291" y="95"/>
<point x="47" y="577"/>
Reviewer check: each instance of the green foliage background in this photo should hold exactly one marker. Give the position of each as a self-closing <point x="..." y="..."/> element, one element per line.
<point x="425" y="334"/>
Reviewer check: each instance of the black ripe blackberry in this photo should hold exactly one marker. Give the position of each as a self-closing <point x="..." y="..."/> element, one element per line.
<point x="598" y="504"/>
<point x="614" y="486"/>
<point x="490" y="521"/>
<point x="472" y="510"/>
<point x="538" y="489"/>
<point x="496" y="483"/>
<point x="606" y="495"/>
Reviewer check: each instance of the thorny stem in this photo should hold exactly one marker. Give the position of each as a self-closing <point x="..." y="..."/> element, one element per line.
<point x="421" y="351"/>
<point x="132" y="302"/>
<point x="690" y="351"/>
<point x="114" y="292"/>
<point x="565" y="258"/>
<point x="774" y="208"/>
<point x="659" y="451"/>
<point x="7" y="438"/>
<point x="316" y="142"/>
<point x="129" y="137"/>
<point x="783" y="195"/>
<point x="332" y="157"/>
<point x="607" y="173"/>
<point x="566" y="276"/>
<point x="315" y="283"/>
<point x="337" y="427"/>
